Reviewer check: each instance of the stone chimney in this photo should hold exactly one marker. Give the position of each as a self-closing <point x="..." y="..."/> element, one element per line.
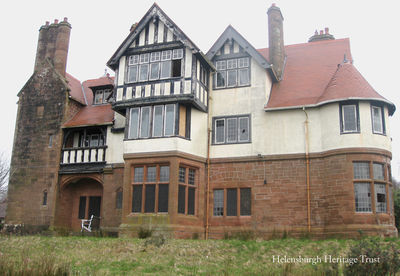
<point x="321" y="36"/>
<point x="275" y="37"/>
<point x="53" y="44"/>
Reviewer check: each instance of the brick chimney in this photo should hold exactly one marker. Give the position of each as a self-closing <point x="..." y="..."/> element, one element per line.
<point x="321" y="36"/>
<point x="275" y="37"/>
<point x="53" y="44"/>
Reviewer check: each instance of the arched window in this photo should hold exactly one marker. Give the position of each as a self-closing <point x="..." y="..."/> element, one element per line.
<point x="44" y="202"/>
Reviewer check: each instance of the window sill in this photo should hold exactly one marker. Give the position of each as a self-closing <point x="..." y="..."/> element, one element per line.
<point x="232" y="87"/>
<point x="149" y="138"/>
<point x="350" y="132"/>
<point x="146" y="82"/>
<point x="234" y="143"/>
<point x="381" y="134"/>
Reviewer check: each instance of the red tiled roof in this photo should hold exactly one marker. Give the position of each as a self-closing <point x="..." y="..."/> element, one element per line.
<point x="312" y="76"/>
<point x="92" y="115"/>
<point x="76" y="92"/>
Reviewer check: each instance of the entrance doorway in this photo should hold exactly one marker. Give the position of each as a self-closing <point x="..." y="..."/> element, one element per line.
<point x="88" y="206"/>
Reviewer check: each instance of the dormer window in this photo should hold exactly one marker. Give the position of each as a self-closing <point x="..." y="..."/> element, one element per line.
<point x="232" y="73"/>
<point x="155" y="65"/>
<point x="101" y="96"/>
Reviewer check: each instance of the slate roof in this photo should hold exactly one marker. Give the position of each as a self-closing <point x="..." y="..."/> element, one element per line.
<point x="316" y="74"/>
<point x="90" y="115"/>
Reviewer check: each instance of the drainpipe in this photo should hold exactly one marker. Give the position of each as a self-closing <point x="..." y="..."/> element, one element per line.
<point x="208" y="181"/>
<point x="307" y="170"/>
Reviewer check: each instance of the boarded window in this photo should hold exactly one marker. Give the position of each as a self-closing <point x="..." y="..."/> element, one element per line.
<point x="181" y="199"/>
<point x="82" y="207"/>
<point x="231" y="202"/>
<point x="137" y="198"/>
<point x="163" y="198"/>
<point x="182" y="120"/>
<point x="191" y="200"/>
<point x="118" y="199"/>
<point x="245" y="201"/>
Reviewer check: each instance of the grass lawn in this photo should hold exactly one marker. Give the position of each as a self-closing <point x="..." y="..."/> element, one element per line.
<point x="37" y="255"/>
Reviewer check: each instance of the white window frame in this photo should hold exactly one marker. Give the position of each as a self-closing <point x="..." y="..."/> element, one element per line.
<point x="215" y="127"/>
<point x="148" y="121"/>
<point x="130" y="123"/>
<point x="342" y="111"/>
<point x="173" y="121"/>
<point x="162" y="119"/>
<point x="225" y="67"/>
<point x="381" y="120"/>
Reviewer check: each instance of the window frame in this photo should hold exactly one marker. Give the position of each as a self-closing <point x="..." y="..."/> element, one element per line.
<point x="382" y="119"/>
<point x="100" y="94"/>
<point x="225" y="131"/>
<point x="372" y="181"/>
<point x="144" y="183"/>
<point x="187" y="186"/>
<point x="238" y="202"/>
<point x="227" y="64"/>
<point x="342" y="121"/>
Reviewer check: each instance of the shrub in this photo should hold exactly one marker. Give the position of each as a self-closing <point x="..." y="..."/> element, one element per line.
<point x="157" y="241"/>
<point x="374" y="257"/>
<point x="144" y="233"/>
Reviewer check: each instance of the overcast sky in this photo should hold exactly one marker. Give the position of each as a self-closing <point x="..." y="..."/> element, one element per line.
<point x="99" y="27"/>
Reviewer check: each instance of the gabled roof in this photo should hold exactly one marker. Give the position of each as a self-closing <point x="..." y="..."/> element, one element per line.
<point x="154" y="11"/>
<point x="315" y="75"/>
<point x="76" y="92"/>
<point x="231" y="33"/>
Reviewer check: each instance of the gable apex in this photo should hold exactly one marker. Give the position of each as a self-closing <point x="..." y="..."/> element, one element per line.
<point x="231" y="34"/>
<point x="155" y="12"/>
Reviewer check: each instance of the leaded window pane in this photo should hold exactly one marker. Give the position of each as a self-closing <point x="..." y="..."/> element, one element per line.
<point x="380" y="198"/>
<point x="169" y="120"/>
<point x="220" y="131"/>
<point x="166" y="55"/>
<point x="154" y="71"/>
<point x="221" y="65"/>
<point x="165" y="69"/>
<point x="150" y="198"/>
<point x="164" y="173"/>
<point x="349" y="118"/>
<point x="391" y="199"/>
<point x="181" y="199"/>
<point x="138" y="175"/>
<point x="151" y="174"/>
<point x="182" y="174"/>
<point x="231" y="202"/>
<point x="191" y="176"/>
<point x="379" y="172"/>
<point x="220" y="79"/>
<point x="158" y="121"/>
<point x="177" y="53"/>
<point x="137" y="198"/>
<point x="244" y="134"/>
<point x="98" y="97"/>
<point x="244" y="76"/>
<point x="163" y="198"/>
<point x="155" y="56"/>
<point x="361" y="170"/>
<point x="232" y="78"/>
<point x="245" y="201"/>
<point x="143" y="72"/>
<point x="134" y="123"/>
<point x="362" y="194"/>
<point x="243" y="62"/>
<point x="377" y="119"/>
<point x="218" y="203"/>
<point x="232" y="64"/>
<point x="145" y="122"/>
<point x="132" y="73"/>
<point x="191" y="200"/>
<point x="134" y="60"/>
<point x="232" y="130"/>
<point x="144" y="58"/>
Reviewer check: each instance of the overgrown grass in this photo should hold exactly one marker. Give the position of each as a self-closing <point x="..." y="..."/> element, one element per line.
<point x="36" y="255"/>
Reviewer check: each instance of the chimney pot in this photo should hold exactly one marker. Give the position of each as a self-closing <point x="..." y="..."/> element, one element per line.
<point x="273" y="5"/>
<point x="326" y="30"/>
<point x="316" y="32"/>
<point x="55" y="21"/>
<point x="47" y="23"/>
<point x="65" y="19"/>
<point x="321" y="32"/>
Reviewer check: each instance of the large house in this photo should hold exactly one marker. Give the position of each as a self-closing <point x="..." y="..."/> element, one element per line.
<point x="289" y="138"/>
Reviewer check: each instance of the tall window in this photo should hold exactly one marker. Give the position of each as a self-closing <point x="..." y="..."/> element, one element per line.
<point x="118" y="198"/>
<point x="232" y="73"/>
<point x="236" y="202"/>
<point x="155" y="65"/>
<point x="231" y="130"/>
<point x="152" y="121"/>
<point x="44" y="201"/>
<point x="187" y="190"/>
<point x="349" y="118"/>
<point x="150" y="189"/>
<point x="364" y="182"/>
<point x="378" y="122"/>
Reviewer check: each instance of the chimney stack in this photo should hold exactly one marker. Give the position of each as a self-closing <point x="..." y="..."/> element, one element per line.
<point x="321" y="36"/>
<point x="275" y="37"/>
<point x="53" y="44"/>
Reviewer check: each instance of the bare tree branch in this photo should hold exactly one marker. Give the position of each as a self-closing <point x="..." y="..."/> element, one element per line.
<point x="4" y="173"/>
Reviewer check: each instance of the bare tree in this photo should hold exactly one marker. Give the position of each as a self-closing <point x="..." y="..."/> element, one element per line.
<point x="4" y="173"/>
